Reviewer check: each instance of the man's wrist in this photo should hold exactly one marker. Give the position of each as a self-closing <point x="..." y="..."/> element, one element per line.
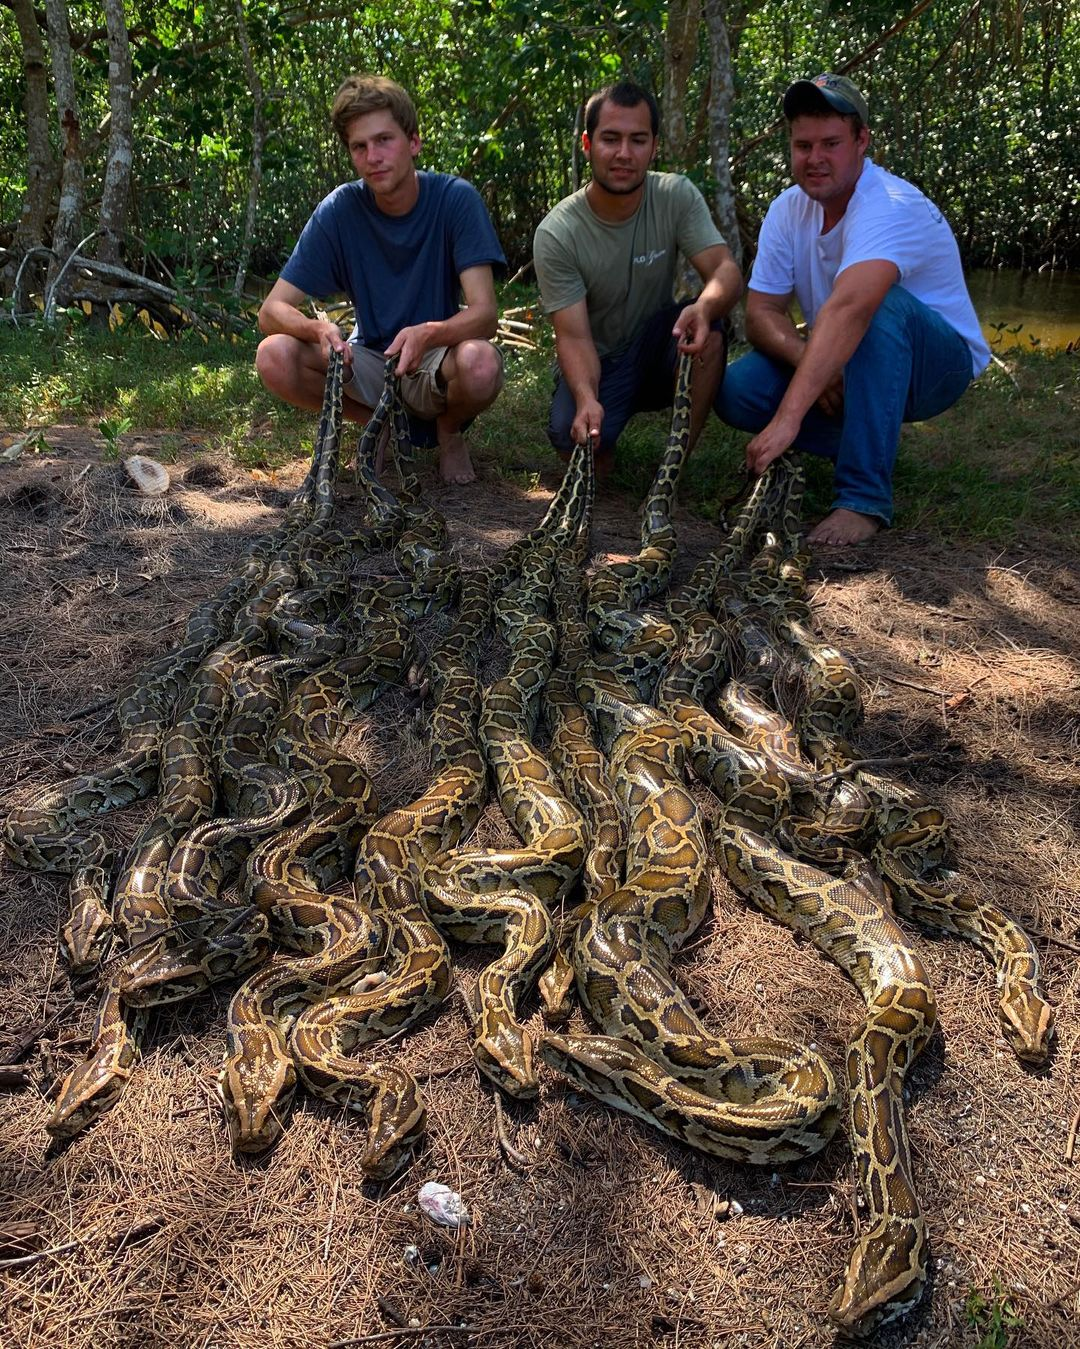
<point x="427" y="335"/>
<point x="788" y="420"/>
<point x="701" y="308"/>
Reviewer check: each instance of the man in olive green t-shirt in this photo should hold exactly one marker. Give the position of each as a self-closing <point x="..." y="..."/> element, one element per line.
<point x="606" y="259"/>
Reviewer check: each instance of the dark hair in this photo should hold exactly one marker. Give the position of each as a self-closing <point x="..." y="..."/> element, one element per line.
<point x="625" y="94"/>
<point x="372" y="93"/>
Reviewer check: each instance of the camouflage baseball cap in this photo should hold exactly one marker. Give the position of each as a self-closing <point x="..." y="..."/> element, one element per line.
<point x="822" y="94"/>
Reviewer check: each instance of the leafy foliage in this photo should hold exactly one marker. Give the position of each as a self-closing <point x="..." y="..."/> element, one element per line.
<point x="992" y="1318"/>
<point x="975" y="103"/>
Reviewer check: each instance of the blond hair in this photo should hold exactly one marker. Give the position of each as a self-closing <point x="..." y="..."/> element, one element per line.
<point x="371" y="93"/>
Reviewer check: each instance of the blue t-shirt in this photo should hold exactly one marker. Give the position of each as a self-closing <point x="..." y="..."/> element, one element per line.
<point x="397" y="269"/>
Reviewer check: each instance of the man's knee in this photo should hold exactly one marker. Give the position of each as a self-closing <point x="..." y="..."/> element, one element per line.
<point x="892" y="322"/>
<point x="276" y="362"/>
<point x="750" y="393"/>
<point x="560" y="420"/>
<point x="478" y="372"/>
<point x="267" y="359"/>
<point x="896" y="301"/>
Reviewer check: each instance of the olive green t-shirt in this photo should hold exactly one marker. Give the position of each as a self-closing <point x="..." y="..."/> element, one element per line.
<point x="623" y="272"/>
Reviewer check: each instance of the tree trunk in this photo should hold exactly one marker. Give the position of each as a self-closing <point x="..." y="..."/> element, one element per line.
<point x="721" y="96"/>
<point x="40" y="164"/>
<point x="1051" y="27"/>
<point x="70" y="210"/>
<point x="114" y="193"/>
<point x="575" y="147"/>
<point x="258" y="141"/>
<point x="680" y="54"/>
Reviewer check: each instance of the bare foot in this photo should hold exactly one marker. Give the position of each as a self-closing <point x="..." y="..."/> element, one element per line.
<point x="455" y="466"/>
<point x="841" y="528"/>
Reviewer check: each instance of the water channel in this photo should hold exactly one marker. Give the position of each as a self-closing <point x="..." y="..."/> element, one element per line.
<point x="1046" y="305"/>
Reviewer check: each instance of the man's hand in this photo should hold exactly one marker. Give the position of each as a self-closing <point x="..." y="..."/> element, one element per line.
<point x="587" y="423"/>
<point x="831" y="399"/>
<point x="330" y="339"/>
<point x="410" y="346"/>
<point x="691" y="329"/>
<point x="770" y="444"/>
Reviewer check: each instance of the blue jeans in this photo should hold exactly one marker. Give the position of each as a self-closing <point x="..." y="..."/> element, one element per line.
<point x="640" y="378"/>
<point x="909" y="366"/>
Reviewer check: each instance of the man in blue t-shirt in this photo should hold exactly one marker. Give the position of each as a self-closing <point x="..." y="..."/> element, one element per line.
<point x="405" y="246"/>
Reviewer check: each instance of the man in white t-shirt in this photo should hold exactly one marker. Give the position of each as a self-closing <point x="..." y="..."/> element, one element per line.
<point x="891" y="332"/>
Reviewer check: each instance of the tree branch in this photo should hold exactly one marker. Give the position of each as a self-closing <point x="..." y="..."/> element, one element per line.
<point x="868" y="51"/>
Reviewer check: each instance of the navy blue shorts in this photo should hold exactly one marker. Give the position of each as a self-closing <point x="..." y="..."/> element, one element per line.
<point x="640" y="378"/>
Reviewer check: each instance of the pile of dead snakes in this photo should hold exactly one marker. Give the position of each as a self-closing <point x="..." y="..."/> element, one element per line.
<point x="269" y="861"/>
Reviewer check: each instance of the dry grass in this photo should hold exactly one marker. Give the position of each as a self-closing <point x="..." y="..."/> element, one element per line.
<point x="610" y="1237"/>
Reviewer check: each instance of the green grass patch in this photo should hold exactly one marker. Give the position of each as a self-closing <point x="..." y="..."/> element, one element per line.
<point x="1004" y="460"/>
<point x="992" y="1318"/>
<point x="77" y="373"/>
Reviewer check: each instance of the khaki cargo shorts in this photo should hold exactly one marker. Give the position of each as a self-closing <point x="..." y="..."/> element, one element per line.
<point x="422" y="391"/>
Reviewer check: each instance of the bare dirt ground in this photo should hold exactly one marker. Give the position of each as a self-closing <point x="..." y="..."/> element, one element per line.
<point x="147" y="1232"/>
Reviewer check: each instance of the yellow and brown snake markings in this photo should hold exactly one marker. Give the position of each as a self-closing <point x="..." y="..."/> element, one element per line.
<point x="849" y="918"/>
<point x="771" y="1101"/>
<point x="388" y="879"/>
<point x="268" y="860"/>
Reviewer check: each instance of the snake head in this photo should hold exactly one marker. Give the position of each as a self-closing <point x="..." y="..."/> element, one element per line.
<point x="256" y="1090"/>
<point x="87" y="1092"/>
<point x="885" y="1277"/>
<point x="396" y="1121"/>
<point x="557" y="990"/>
<point x="88" y="932"/>
<point x="507" y="1057"/>
<point x="1027" y="1022"/>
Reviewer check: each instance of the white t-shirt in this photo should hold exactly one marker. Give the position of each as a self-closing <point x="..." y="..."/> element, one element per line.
<point x="886" y="219"/>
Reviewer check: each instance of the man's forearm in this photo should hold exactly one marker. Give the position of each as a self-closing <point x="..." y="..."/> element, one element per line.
<point x="838" y="331"/>
<point x="467" y="324"/>
<point x="839" y="327"/>
<point x="278" y="316"/>
<point x="774" y="334"/>
<point x="580" y="366"/>
<point x="721" y="292"/>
